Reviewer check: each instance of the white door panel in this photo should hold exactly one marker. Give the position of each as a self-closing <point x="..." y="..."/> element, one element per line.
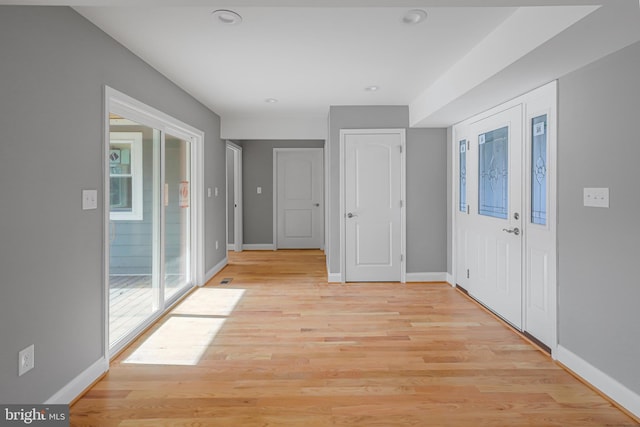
<point x="496" y="153"/>
<point x="540" y="260"/>
<point x="373" y="206"/>
<point x="299" y="212"/>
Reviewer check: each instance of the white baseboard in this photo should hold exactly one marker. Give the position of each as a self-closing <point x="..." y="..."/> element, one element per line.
<point x="215" y="270"/>
<point x="258" y="247"/>
<point x="426" y="277"/>
<point x="603" y="382"/>
<point x="79" y="384"/>
<point x="450" y="280"/>
<point x="334" y="277"/>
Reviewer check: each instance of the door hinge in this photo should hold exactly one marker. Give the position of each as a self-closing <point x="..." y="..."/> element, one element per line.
<point x="401" y="204"/>
<point x="468" y="145"/>
<point x="467" y="273"/>
<point x="468" y="210"/>
<point x="401" y="258"/>
<point x="401" y="148"/>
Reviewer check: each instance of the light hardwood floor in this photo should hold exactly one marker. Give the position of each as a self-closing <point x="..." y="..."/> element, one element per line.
<point x="279" y="346"/>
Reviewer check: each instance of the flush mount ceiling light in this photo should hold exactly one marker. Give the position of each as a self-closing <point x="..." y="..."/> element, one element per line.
<point x="270" y="100"/>
<point x="414" y="16"/>
<point x="227" y="17"/>
<point x="372" y="88"/>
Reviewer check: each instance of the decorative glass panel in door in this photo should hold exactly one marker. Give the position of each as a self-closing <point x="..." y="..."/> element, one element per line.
<point x="177" y="215"/>
<point x="539" y="170"/>
<point x="462" y="179"/>
<point x="493" y="173"/>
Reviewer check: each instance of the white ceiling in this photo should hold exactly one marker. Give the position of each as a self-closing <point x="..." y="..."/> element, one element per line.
<point x="307" y="58"/>
<point x="311" y="55"/>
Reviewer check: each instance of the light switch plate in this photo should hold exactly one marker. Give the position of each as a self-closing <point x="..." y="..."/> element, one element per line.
<point x="26" y="360"/>
<point x="89" y="199"/>
<point x="259" y="190"/>
<point x="596" y="197"/>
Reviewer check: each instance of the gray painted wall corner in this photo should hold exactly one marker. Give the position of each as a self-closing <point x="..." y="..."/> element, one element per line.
<point x="598" y="248"/>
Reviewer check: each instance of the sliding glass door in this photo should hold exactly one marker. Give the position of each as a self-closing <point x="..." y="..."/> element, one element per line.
<point x="150" y="261"/>
<point x="177" y="274"/>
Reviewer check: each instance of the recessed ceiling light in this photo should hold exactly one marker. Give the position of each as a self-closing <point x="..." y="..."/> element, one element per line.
<point x="270" y="100"/>
<point x="372" y="88"/>
<point x="227" y="17"/>
<point x="414" y="16"/>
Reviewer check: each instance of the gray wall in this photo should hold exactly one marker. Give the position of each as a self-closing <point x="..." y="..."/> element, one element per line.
<point x="426" y="200"/>
<point x="54" y="66"/>
<point x="257" y="171"/>
<point x="426" y="184"/>
<point x="599" y="290"/>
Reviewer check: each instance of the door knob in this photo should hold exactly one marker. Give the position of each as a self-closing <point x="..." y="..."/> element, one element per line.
<point x="514" y="230"/>
<point x="316" y="205"/>
<point x="350" y="215"/>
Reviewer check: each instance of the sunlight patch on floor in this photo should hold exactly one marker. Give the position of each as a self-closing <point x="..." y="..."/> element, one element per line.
<point x="210" y="302"/>
<point x="179" y="341"/>
<point x="191" y="328"/>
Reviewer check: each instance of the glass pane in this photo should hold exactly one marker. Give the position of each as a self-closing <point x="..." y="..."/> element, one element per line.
<point x="177" y="215"/>
<point x="493" y="173"/>
<point x="120" y="197"/>
<point x="539" y="170"/>
<point x="463" y="176"/>
<point x="133" y="247"/>
<point x="120" y="159"/>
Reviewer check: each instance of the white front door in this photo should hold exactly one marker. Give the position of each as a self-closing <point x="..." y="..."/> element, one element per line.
<point x="495" y="163"/>
<point x="299" y="197"/>
<point x="373" y="179"/>
<point x="505" y="165"/>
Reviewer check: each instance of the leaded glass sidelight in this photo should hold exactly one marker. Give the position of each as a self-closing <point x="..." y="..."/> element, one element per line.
<point x="462" y="177"/>
<point x="539" y="170"/>
<point x="493" y="173"/>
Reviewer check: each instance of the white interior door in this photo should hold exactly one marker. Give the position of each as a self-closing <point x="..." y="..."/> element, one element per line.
<point x="495" y="175"/>
<point x="234" y="197"/>
<point x="373" y="205"/>
<point x="299" y="196"/>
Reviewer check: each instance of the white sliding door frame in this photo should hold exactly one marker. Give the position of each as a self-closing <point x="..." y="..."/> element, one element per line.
<point x="119" y="103"/>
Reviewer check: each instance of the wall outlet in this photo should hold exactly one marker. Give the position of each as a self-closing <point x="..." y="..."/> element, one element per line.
<point x="215" y="192"/>
<point x="259" y="190"/>
<point x="25" y="360"/>
<point x="209" y="192"/>
<point x="217" y="245"/>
